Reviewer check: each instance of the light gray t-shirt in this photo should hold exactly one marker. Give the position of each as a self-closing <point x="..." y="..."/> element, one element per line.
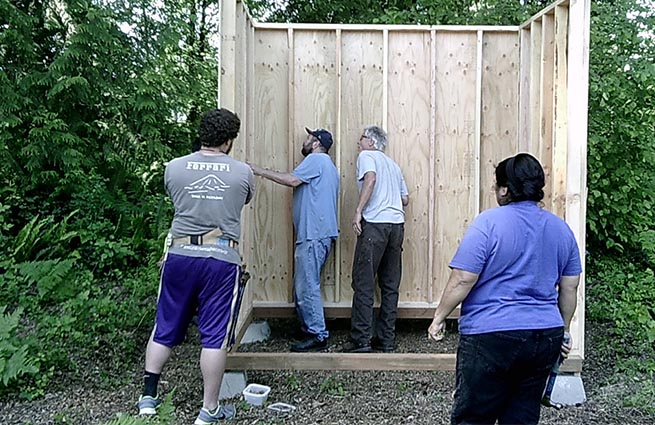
<point x="208" y="192"/>
<point x="385" y="204"/>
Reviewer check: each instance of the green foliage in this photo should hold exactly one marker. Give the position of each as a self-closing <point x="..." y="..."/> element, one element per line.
<point x="623" y="294"/>
<point x="14" y="360"/>
<point x="96" y="96"/>
<point x="293" y="383"/>
<point x="621" y="216"/>
<point x="424" y="12"/>
<point x="643" y="398"/>
<point x="333" y="387"/>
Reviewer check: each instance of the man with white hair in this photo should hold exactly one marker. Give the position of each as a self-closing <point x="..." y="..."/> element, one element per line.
<point x="379" y="224"/>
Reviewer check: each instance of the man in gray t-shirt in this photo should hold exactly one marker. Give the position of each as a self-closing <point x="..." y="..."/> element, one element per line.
<point x="202" y="265"/>
<point x="379" y="224"/>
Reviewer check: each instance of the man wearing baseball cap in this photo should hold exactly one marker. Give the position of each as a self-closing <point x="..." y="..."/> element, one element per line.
<point x="316" y="186"/>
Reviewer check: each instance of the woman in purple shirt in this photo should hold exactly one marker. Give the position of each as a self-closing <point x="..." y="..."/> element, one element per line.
<point x="516" y="274"/>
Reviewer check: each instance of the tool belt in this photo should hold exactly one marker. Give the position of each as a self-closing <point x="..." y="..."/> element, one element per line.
<point x="213" y="237"/>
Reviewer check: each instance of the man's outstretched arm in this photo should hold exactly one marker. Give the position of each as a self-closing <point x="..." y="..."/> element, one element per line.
<point x="286" y="179"/>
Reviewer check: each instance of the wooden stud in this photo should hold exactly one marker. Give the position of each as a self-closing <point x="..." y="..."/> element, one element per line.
<point x="385" y="78"/>
<point x="535" y="88"/>
<point x="359" y="361"/>
<point x="476" y="190"/>
<point x="576" y="177"/>
<point x="393" y="28"/>
<point x="524" y="90"/>
<point x="227" y="94"/>
<point x="290" y="145"/>
<point x="560" y="114"/>
<point x="546" y="102"/>
<point x="433" y="137"/>
<point x="546" y="11"/>
<point x="339" y="140"/>
<point x="407" y="310"/>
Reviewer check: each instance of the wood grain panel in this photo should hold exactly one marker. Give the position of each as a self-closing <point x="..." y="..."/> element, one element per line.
<point x="547" y="97"/>
<point x="535" y="87"/>
<point x="361" y="102"/>
<point x="560" y="114"/>
<point x="272" y="230"/>
<point x="409" y="85"/>
<point x="500" y="95"/>
<point x="456" y="54"/>
<point x="315" y="106"/>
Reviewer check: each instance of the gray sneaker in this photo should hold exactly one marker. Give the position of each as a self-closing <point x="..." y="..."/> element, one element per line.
<point x="148" y="405"/>
<point x="222" y="413"/>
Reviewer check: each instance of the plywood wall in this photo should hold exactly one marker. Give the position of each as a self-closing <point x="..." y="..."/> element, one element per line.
<point x="448" y="100"/>
<point x="455" y="102"/>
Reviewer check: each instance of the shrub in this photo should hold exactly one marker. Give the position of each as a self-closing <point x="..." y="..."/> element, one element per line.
<point x="622" y="292"/>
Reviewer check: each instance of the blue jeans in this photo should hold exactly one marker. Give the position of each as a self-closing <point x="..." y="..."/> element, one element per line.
<point x="309" y="259"/>
<point x="502" y="375"/>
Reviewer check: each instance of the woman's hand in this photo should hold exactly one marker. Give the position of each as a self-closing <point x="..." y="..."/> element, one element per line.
<point x="567" y="344"/>
<point x="437" y="330"/>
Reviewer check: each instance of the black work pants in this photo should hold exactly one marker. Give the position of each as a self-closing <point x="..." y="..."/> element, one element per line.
<point x="378" y="252"/>
<point x="501" y="376"/>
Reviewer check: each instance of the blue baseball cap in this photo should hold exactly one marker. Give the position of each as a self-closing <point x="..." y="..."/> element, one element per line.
<point x="323" y="136"/>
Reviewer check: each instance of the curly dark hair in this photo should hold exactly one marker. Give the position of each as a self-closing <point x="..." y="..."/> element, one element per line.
<point x="217" y="127"/>
<point x="523" y="176"/>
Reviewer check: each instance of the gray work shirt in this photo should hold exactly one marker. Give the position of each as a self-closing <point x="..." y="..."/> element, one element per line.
<point x="208" y="192"/>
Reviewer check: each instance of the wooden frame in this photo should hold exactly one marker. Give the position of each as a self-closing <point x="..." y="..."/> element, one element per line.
<point x="455" y="101"/>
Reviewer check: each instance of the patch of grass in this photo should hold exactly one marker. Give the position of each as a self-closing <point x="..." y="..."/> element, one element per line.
<point x="643" y="398"/>
<point x="402" y="387"/>
<point x="333" y="387"/>
<point x="293" y="383"/>
<point x="165" y="415"/>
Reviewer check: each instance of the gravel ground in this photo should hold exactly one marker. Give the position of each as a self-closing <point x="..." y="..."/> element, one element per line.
<point x="321" y="397"/>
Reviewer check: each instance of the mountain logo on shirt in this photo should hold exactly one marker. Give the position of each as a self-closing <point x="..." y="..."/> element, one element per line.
<point x="208" y="187"/>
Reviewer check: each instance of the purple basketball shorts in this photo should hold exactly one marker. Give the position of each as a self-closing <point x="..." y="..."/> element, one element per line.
<point x="194" y="284"/>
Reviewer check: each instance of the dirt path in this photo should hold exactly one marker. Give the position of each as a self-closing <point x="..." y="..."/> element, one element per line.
<point x="323" y="397"/>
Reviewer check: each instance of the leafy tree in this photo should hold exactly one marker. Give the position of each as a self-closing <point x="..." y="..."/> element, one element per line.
<point x="426" y="12"/>
<point x="97" y="95"/>
<point x="621" y="182"/>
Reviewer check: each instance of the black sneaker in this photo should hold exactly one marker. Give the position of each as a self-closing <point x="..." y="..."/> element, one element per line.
<point x="377" y="345"/>
<point x="353" y="347"/>
<point x="310" y="344"/>
<point x="300" y="335"/>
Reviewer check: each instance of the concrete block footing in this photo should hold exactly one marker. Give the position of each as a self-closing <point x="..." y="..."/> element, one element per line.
<point x="256" y="332"/>
<point x="233" y="384"/>
<point x="569" y="390"/>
